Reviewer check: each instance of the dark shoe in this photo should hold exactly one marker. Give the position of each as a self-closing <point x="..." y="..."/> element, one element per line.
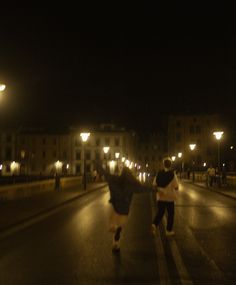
<point x="117" y="234"/>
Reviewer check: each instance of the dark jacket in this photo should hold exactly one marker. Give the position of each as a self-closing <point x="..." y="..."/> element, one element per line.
<point x="122" y="188"/>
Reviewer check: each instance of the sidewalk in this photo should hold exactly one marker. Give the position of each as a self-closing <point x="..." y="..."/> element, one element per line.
<point x="13" y="213"/>
<point x="224" y="190"/>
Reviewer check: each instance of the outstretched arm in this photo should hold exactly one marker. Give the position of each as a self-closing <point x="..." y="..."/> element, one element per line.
<point x="141" y="188"/>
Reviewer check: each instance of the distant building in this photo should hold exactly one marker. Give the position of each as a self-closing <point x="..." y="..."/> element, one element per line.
<point x="8" y="152"/>
<point x="150" y="149"/>
<point x="41" y="151"/>
<point x="118" y="140"/>
<point x="184" y="130"/>
<point x="44" y="151"/>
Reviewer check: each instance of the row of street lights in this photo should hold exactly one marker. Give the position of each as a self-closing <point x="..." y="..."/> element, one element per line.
<point x="85" y="136"/>
<point x="2" y="88"/>
<point x="218" y="135"/>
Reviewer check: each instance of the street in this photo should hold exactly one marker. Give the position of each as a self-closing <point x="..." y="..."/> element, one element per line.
<point x="73" y="246"/>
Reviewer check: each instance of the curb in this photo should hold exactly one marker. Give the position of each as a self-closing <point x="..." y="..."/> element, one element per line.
<point x="215" y="191"/>
<point x="22" y="224"/>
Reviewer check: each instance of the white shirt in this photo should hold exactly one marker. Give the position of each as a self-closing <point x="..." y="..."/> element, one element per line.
<point x="168" y="193"/>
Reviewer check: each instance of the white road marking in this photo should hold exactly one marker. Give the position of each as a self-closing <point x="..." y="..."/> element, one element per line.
<point x="185" y="278"/>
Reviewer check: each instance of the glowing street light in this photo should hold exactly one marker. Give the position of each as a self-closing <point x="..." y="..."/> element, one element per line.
<point x="58" y="165"/>
<point x="127" y="163"/>
<point x="218" y="135"/>
<point x="84" y="137"/>
<point x="123" y="161"/>
<point x="117" y="155"/>
<point x="180" y="154"/>
<point x="192" y="147"/>
<point x="106" y="150"/>
<point x="2" y="88"/>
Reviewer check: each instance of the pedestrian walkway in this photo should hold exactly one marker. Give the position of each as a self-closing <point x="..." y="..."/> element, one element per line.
<point x="229" y="191"/>
<point x="15" y="212"/>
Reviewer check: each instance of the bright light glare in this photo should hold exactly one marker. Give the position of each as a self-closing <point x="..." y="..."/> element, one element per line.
<point x="84" y="136"/>
<point x="58" y="164"/>
<point x="112" y="166"/>
<point x="2" y="87"/>
<point x="144" y="177"/>
<point x="140" y="177"/>
<point x="117" y="154"/>
<point x="106" y="149"/>
<point x="218" y="135"/>
<point x="192" y="146"/>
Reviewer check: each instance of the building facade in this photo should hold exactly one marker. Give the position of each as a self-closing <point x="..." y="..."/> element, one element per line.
<point x="32" y="151"/>
<point x="184" y="130"/>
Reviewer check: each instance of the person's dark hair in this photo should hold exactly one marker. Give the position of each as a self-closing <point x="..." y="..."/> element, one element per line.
<point x="167" y="162"/>
<point x="127" y="175"/>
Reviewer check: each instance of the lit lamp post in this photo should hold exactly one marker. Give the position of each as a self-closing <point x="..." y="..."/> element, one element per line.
<point x="84" y="137"/>
<point x="105" y="150"/>
<point x="180" y="163"/>
<point x="123" y="161"/>
<point x="192" y="148"/>
<point x="2" y="88"/>
<point x="117" y="155"/>
<point x="173" y="158"/>
<point x="58" y="166"/>
<point x="218" y="135"/>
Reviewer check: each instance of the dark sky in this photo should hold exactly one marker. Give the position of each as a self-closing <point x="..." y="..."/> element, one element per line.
<point x="68" y="66"/>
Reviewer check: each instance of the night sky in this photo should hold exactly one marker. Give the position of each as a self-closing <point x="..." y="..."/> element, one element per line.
<point x="69" y="67"/>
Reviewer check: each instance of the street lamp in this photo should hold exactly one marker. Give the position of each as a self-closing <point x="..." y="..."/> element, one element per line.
<point x="2" y="88"/>
<point x="84" y="137"/>
<point x="117" y="155"/>
<point x="218" y="135"/>
<point x="180" y="163"/>
<point x="192" y="148"/>
<point x="105" y="150"/>
<point x="58" y="165"/>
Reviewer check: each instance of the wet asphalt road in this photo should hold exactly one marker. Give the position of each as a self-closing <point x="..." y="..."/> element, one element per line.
<point x="73" y="246"/>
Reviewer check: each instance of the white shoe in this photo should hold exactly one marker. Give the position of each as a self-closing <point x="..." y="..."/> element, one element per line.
<point x="170" y="233"/>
